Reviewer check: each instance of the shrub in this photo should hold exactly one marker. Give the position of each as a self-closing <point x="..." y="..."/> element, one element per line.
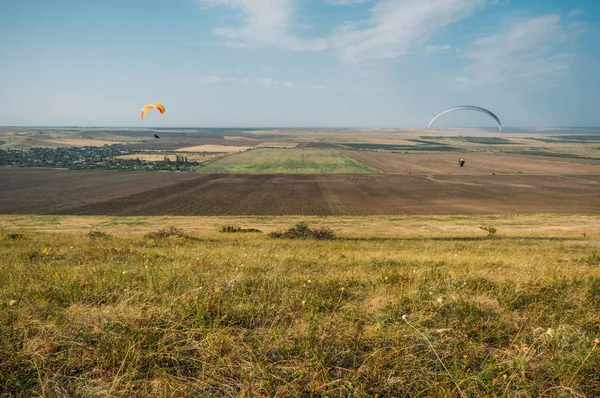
<point x="15" y="237"/>
<point x="166" y="232"/>
<point x="232" y="229"/>
<point x="302" y="231"/>
<point x="97" y="235"/>
<point x="324" y="234"/>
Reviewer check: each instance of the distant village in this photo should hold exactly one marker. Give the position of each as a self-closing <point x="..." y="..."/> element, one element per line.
<point x="91" y="158"/>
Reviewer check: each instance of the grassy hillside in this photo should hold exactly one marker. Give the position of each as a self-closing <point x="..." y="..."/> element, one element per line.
<point x="217" y="314"/>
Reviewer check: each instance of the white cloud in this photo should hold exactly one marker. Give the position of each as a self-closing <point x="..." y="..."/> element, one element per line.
<point x="268" y="82"/>
<point x="394" y="27"/>
<point x="524" y="50"/>
<point x="436" y="49"/>
<point x="397" y="26"/>
<point x="575" y="13"/>
<point x="265" y="23"/>
<point x="348" y="2"/>
<point x="261" y="81"/>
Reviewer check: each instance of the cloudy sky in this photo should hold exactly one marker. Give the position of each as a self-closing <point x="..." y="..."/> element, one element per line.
<point x="289" y="63"/>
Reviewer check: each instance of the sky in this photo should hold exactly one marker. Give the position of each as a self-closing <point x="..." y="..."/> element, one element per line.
<point x="299" y="63"/>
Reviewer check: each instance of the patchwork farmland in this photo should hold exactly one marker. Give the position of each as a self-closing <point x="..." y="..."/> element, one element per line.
<point x="414" y="184"/>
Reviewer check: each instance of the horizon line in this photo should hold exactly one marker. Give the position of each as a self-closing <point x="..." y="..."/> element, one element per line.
<point x="301" y="127"/>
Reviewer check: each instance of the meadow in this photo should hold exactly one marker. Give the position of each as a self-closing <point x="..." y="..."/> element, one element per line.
<point x="275" y="160"/>
<point x="404" y="306"/>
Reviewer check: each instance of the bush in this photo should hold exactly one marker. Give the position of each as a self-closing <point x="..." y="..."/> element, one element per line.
<point x="302" y="231"/>
<point x="166" y="232"/>
<point x="323" y="234"/>
<point x="232" y="229"/>
<point x="97" y="235"/>
<point x="15" y="237"/>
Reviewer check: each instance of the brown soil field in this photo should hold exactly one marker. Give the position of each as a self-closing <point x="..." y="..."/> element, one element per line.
<point x="35" y="191"/>
<point x="51" y="191"/>
<point x="479" y="164"/>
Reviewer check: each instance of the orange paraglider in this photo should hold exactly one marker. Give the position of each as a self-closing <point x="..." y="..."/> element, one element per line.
<point x="146" y="109"/>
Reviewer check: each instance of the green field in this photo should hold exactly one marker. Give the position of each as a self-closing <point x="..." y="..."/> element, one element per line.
<point x="299" y="161"/>
<point x="421" y="146"/>
<point x="436" y="308"/>
<point x="486" y="140"/>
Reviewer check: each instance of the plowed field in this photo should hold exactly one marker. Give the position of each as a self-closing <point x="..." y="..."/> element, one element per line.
<point x="31" y="191"/>
<point x="393" y="163"/>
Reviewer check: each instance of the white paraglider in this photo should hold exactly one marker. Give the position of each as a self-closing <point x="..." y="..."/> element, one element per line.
<point x="469" y="108"/>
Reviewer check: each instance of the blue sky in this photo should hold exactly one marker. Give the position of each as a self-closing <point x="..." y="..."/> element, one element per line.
<point x="329" y="63"/>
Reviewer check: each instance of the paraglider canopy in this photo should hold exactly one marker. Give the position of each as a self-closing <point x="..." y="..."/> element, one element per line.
<point x="147" y="108"/>
<point x="469" y="108"/>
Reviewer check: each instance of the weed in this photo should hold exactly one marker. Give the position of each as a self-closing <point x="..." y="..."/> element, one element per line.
<point x="490" y="230"/>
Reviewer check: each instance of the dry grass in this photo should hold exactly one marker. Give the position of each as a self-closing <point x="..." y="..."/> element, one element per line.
<point x="215" y="148"/>
<point x="275" y="144"/>
<point x="422" y="314"/>
<point x="82" y="142"/>
<point x="529" y="225"/>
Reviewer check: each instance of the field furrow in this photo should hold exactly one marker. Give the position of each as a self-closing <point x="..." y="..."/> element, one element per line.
<point x="139" y="194"/>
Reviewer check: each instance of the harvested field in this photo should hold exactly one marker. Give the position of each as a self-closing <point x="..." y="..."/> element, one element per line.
<point x="285" y="145"/>
<point x="82" y="142"/>
<point x="31" y="191"/>
<point x="214" y="148"/>
<point x="166" y="144"/>
<point x="320" y="145"/>
<point x="393" y="163"/>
